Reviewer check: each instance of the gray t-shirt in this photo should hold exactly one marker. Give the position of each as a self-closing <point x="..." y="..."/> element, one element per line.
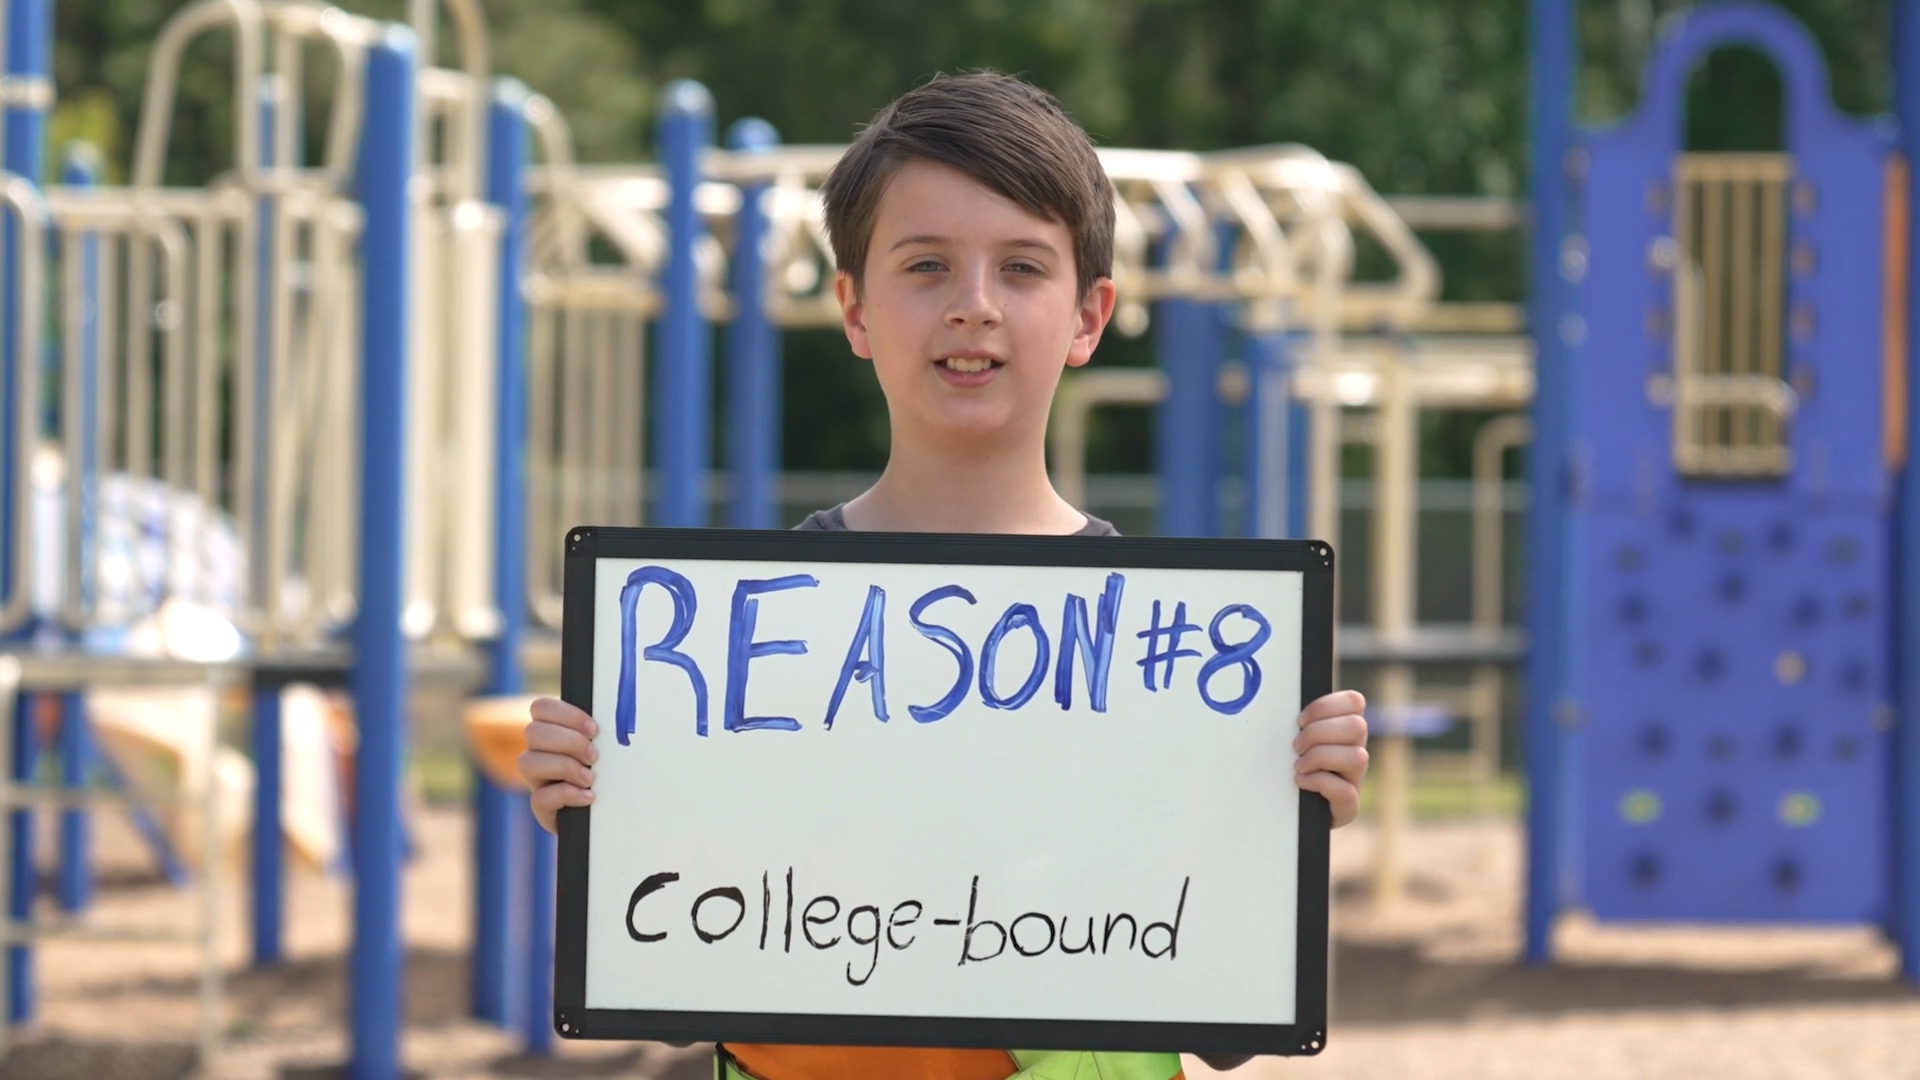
<point x="835" y="520"/>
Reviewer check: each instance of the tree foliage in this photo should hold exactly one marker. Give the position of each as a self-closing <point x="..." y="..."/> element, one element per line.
<point x="1424" y="96"/>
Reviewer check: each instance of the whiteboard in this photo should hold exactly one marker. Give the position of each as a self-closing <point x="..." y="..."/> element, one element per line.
<point x="857" y="788"/>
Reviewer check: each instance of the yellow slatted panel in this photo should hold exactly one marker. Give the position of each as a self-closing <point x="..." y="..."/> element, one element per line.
<point x="1731" y="399"/>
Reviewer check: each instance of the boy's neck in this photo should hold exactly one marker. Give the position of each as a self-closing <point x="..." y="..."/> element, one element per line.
<point x="929" y="489"/>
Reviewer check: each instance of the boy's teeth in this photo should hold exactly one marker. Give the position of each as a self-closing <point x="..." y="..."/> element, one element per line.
<point x="955" y="363"/>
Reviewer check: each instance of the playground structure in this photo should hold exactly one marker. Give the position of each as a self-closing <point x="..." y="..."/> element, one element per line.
<point x="1722" y="692"/>
<point x="273" y="284"/>
<point x="447" y="312"/>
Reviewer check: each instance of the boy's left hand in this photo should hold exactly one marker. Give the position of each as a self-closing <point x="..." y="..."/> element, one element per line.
<point x="1332" y="745"/>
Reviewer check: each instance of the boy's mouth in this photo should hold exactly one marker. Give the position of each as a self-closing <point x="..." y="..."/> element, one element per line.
<point x="969" y="363"/>
<point x="968" y="367"/>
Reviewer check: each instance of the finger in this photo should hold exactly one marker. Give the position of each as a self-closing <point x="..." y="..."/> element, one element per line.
<point x="1348" y="730"/>
<point x="1349" y="761"/>
<point x="555" y="739"/>
<point x="551" y="797"/>
<point x="1342" y="797"/>
<point x="555" y="711"/>
<point x="1331" y="705"/>
<point x="538" y="767"/>
<point x="549" y="800"/>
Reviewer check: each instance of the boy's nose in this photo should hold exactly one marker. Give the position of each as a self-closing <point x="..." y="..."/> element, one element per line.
<point x="974" y="303"/>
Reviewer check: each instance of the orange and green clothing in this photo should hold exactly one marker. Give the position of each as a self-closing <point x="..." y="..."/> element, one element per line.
<point x="744" y="1062"/>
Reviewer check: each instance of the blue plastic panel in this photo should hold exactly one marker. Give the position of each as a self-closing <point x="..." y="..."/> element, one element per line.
<point x="1734" y="676"/>
<point x="1732" y="665"/>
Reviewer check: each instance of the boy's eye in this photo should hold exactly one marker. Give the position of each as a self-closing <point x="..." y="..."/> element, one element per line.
<point x="925" y="265"/>
<point x="1024" y="268"/>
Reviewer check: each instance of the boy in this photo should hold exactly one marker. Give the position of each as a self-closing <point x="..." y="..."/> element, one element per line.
<point x="972" y="226"/>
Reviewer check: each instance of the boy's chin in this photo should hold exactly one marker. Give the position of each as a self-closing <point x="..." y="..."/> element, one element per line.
<point x="978" y="425"/>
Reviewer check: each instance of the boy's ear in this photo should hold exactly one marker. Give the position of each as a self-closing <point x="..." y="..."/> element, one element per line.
<point x="853" y="314"/>
<point x="1096" y="308"/>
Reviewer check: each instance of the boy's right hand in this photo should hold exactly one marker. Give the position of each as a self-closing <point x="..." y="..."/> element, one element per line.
<point x="558" y="762"/>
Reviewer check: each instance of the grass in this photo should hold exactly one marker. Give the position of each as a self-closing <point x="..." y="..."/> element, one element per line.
<point x="1442" y="798"/>
<point x="446" y="776"/>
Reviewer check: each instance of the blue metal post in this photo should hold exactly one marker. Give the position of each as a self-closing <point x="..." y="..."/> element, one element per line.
<point x="379" y="677"/>
<point x="28" y="61"/>
<point x="1190" y="339"/>
<point x="81" y="169"/>
<point x="683" y="386"/>
<point x="533" y="939"/>
<point x="269" y="848"/>
<point x="1906" y="734"/>
<point x="25" y="875"/>
<point x="518" y="834"/>
<point x="1554" y="53"/>
<point x="753" y="352"/>
<point x="1276" y="437"/>
<point x="494" y="806"/>
<point x="541" y="881"/>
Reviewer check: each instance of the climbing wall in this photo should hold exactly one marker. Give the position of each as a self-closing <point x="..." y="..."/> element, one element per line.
<point x="1730" y="667"/>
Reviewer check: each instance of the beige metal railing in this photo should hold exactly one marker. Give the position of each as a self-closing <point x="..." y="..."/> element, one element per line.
<point x="586" y="370"/>
<point x="1731" y="400"/>
<point x="157" y="294"/>
<point x="452" y="403"/>
<point x="23" y="202"/>
<point x="1490" y="447"/>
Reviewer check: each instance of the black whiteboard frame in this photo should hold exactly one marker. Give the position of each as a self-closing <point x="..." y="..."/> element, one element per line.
<point x="1306" y="1036"/>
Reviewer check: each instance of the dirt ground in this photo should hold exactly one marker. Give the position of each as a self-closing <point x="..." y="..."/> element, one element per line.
<point x="1430" y="988"/>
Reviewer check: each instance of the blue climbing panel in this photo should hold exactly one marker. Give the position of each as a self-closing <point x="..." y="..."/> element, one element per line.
<point x="1730" y="678"/>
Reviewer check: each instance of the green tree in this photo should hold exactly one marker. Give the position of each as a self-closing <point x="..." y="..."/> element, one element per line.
<point x="101" y="60"/>
<point x="1424" y="96"/>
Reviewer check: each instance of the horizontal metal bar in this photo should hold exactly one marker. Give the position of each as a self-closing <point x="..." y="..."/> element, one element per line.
<point x="115" y="204"/>
<point x="13" y="933"/>
<point x="1756" y="391"/>
<point x="444" y="85"/>
<point x="1432" y="645"/>
<point x="1465" y="213"/>
<point x="1764" y="167"/>
<point x="26" y="92"/>
<point x="23" y="796"/>
<point x="1483" y="371"/>
<point x="619" y="291"/>
<point x="1465" y="318"/>
<point x="1127" y="491"/>
<point x="78" y="671"/>
<point x="1734" y="461"/>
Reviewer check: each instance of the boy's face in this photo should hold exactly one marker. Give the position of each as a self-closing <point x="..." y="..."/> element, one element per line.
<point x="969" y="310"/>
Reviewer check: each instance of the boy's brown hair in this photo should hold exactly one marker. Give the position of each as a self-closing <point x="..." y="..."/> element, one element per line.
<point x="1006" y="134"/>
